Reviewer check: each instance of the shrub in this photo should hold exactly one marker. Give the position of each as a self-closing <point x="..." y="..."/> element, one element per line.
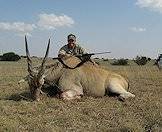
<point x="10" y="56"/>
<point x="105" y="59"/>
<point x="149" y="59"/>
<point x="141" y="60"/>
<point x="22" y="56"/>
<point x="120" y="62"/>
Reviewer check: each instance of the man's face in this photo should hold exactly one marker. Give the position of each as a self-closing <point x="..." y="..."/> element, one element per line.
<point x="71" y="43"/>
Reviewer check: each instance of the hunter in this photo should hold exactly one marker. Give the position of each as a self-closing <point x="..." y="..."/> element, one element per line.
<point x="72" y="49"/>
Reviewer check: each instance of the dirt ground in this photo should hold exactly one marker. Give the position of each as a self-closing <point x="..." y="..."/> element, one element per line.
<point x="143" y="113"/>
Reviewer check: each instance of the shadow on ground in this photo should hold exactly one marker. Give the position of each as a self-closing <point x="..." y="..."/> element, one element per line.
<point x="48" y="91"/>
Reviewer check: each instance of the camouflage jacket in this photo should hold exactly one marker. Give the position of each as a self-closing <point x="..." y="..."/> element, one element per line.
<point x="75" y="51"/>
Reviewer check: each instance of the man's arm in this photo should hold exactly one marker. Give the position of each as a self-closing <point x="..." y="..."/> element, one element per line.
<point x="80" y="50"/>
<point x="62" y="54"/>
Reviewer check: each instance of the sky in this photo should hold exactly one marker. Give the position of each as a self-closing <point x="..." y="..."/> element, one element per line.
<point x="126" y="28"/>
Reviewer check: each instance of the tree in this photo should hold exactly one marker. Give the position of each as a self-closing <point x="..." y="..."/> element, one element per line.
<point x="141" y="60"/>
<point x="120" y="62"/>
<point x="10" y="56"/>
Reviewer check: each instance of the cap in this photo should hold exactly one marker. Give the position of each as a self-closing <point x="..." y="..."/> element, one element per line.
<point x="71" y="36"/>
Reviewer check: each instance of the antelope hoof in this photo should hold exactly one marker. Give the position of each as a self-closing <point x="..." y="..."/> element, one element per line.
<point x="124" y="96"/>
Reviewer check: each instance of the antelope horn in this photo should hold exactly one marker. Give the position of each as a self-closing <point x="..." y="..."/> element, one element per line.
<point x="30" y="69"/>
<point x="42" y="69"/>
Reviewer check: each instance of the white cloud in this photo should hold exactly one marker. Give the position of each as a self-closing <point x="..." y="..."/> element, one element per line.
<point x="51" y="21"/>
<point x="137" y="29"/>
<point x="155" y="5"/>
<point x="46" y="21"/>
<point x="19" y="27"/>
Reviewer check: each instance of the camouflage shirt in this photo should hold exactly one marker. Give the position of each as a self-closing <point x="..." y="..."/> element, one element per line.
<point x="75" y="51"/>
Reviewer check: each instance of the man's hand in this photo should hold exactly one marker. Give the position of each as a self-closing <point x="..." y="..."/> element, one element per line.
<point x="64" y="56"/>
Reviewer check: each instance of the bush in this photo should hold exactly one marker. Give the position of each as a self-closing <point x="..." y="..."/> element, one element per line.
<point x="149" y="59"/>
<point x="10" y="56"/>
<point x="120" y="62"/>
<point x="141" y="60"/>
<point x="22" y="56"/>
<point x="105" y="59"/>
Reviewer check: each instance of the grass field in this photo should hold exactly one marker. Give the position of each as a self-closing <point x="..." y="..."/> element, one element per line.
<point x="143" y="113"/>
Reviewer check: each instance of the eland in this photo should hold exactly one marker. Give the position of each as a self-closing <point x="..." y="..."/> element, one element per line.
<point x="74" y="78"/>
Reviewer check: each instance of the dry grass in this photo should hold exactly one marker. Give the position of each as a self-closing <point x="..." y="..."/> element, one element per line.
<point x="144" y="113"/>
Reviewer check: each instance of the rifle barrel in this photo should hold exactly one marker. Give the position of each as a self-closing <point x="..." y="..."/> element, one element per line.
<point x="94" y="53"/>
<point x="102" y="53"/>
<point x="56" y="58"/>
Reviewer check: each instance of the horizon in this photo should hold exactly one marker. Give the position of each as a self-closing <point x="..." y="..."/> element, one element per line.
<point x="125" y="28"/>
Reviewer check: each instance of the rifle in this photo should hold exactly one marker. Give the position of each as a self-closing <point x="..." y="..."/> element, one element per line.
<point x="87" y="55"/>
<point x="90" y="54"/>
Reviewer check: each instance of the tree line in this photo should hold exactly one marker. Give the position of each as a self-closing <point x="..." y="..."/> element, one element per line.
<point x="140" y="60"/>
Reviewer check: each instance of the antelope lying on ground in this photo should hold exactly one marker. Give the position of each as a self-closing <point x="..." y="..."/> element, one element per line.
<point x="73" y="83"/>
